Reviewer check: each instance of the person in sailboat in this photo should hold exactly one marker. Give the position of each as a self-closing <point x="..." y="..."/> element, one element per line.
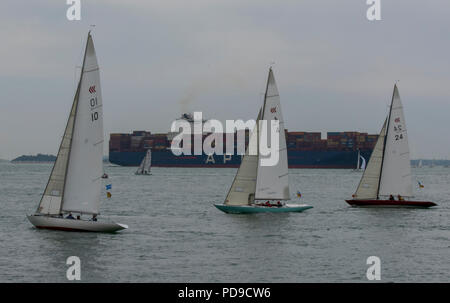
<point x="94" y="217"/>
<point x="400" y="198"/>
<point x="391" y="198"/>
<point x="70" y="216"/>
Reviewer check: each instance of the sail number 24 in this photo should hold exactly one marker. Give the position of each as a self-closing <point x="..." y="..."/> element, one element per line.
<point x="94" y="103"/>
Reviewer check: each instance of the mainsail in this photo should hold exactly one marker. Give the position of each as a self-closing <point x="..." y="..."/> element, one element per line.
<point x="363" y="163"/>
<point x="357" y="161"/>
<point x="273" y="181"/>
<point x="75" y="181"/>
<point x="396" y="170"/>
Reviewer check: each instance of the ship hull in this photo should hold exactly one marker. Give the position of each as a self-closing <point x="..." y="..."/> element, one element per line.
<point x="63" y="224"/>
<point x="253" y="209"/>
<point x="296" y="159"/>
<point x="390" y="203"/>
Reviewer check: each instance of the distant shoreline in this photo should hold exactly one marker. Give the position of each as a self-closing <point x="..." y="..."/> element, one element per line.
<point x="39" y="158"/>
<point x="31" y="162"/>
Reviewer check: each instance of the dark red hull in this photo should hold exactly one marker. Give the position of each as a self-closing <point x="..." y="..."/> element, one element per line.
<point x="390" y="203"/>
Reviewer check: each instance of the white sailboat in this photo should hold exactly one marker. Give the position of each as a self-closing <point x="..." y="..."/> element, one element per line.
<point x="257" y="188"/>
<point x="145" y="166"/>
<point x="420" y="164"/>
<point x="387" y="178"/>
<point x="75" y="183"/>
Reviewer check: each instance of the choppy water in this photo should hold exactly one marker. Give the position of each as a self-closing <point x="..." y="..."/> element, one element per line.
<point x="176" y="235"/>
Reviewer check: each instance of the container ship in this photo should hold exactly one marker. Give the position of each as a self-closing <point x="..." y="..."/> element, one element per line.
<point x="305" y="150"/>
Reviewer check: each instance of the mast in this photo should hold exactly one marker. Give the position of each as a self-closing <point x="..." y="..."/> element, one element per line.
<point x="385" y="140"/>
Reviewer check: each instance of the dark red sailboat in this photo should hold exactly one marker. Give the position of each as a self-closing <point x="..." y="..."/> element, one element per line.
<point x="386" y="182"/>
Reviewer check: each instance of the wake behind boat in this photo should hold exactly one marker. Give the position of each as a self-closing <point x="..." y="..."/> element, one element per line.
<point x="386" y="182"/>
<point x="74" y="185"/>
<point x="257" y="188"/>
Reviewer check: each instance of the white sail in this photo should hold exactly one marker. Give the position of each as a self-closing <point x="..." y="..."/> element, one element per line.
<point x="363" y="163"/>
<point x="148" y="161"/>
<point x="273" y="181"/>
<point x="83" y="177"/>
<point x="141" y="166"/>
<point x="368" y="186"/>
<point x="357" y="160"/>
<point x="396" y="170"/>
<point x="51" y="199"/>
<point x="242" y="191"/>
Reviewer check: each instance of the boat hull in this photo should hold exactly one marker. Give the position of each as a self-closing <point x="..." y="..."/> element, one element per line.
<point x="296" y="159"/>
<point x="252" y="209"/>
<point x="390" y="203"/>
<point x="47" y="222"/>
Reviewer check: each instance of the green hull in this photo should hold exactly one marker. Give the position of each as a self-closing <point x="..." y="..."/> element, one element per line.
<point x="261" y="209"/>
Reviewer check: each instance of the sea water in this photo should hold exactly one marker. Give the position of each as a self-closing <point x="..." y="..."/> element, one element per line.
<point x="176" y="234"/>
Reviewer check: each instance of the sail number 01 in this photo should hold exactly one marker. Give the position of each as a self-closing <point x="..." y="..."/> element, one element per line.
<point x="94" y="103"/>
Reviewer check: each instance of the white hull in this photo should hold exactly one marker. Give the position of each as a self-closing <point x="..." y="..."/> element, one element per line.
<point x="48" y="222"/>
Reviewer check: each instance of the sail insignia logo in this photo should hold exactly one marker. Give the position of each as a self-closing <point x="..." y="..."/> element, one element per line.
<point x="397" y="120"/>
<point x="273" y="110"/>
<point x="92" y="89"/>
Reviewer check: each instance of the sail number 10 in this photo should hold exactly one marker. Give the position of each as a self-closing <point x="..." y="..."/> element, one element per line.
<point x="93" y="102"/>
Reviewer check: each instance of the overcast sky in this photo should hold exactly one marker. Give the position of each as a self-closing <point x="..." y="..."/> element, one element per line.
<point x="335" y="70"/>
